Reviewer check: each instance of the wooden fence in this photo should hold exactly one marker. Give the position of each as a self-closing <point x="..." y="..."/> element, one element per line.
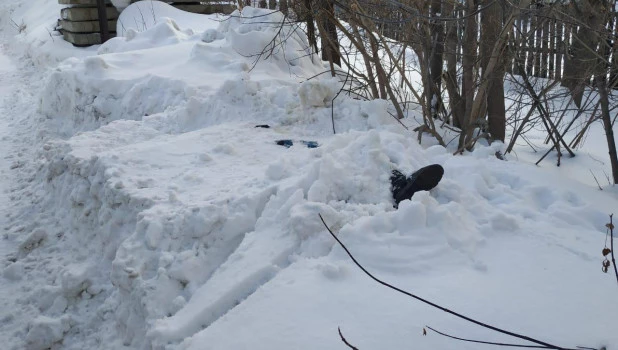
<point x="540" y="44"/>
<point x="540" y="40"/>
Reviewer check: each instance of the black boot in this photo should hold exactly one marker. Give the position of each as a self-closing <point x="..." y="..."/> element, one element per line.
<point x="423" y="179"/>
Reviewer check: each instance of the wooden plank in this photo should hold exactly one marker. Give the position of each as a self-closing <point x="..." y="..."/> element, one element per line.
<point x="207" y="8"/>
<point x="516" y="45"/>
<point x="613" y="78"/>
<point x="85" y="26"/>
<point x="86" y="13"/>
<point x="552" y="49"/>
<point x="537" y="46"/>
<point x="545" y="49"/>
<point x="525" y="44"/>
<point x="460" y="32"/>
<point x="559" y="49"/>
<point x="83" y="39"/>
<point x="531" y="35"/>
<point x="566" y="44"/>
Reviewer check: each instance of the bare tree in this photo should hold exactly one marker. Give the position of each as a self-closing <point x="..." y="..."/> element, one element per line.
<point x="437" y="31"/>
<point x="491" y="25"/>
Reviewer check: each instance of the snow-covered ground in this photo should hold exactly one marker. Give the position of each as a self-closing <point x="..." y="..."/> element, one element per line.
<point x="143" y="209"/>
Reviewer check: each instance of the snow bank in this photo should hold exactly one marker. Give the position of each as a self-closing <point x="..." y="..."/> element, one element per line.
<point x="191" y="222"/>
<point x="143" y="15"/>
<point x="121" y="4"/>
<point x="259" y="33"/>
<point x="166" y="32"/>
<point x="33" y="25"/>
<point x="195" y="243"/>
<point x="165" y="219"/>
<point x="135" y="76"/>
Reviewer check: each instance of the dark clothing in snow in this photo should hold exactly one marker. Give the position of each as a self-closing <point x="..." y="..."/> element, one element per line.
<point x="290" y="143"/>
<point x="423" y="179"/>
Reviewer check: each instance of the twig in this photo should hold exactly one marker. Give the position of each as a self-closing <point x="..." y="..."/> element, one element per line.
<point x="609" y="182"/>
<point x="499" y="330"/>
<point x="545" y="155"/>
<point x="50" y="34"/>
<point x="471" y="143"/>
<point x="528" y="142"/>
<point x="20" y="27"/>
<point x="345" y="341"/>
<point x="595" y="179"/>
<point x="332" y="102"/>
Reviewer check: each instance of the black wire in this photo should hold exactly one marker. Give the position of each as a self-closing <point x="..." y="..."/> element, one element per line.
<point x="493" y="343"/>
<point x="530" y="339"/>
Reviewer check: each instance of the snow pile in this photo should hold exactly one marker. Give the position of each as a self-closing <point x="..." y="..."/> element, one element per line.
<point x="143" y="15"/>
<point x="165" y="219"/>
<point x="191" y="216"/>
<point x="195" y="244"/>
<point x="256" y="32"/>
<point x="163" y="33"/>
<point x="126" y="81"/>
<point x="121" y="4"/>
<point x="32" y="26"/>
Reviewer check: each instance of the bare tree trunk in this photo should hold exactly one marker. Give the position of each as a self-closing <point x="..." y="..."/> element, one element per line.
<point x="450" y="77"/>
<point x="330" y="40"/>
<point x="262" y="4"/>
<point x="577" y="72"/>
<point x="379" y="70"/>
<point x="371" y="81"/>
<point x="479" y="100"/>
<point x="607" y="125"/>
<point x="613" y="82"/>
<point x="469" y="60"/>
<point x="601" y="80"/>
<point x="436" y="59"/>
<point x="307" y="16"/>
<point x="283" y="6"/>
<point x="491" y="25"/>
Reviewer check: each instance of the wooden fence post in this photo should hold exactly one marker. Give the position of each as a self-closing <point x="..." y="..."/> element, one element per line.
<point x="559" y="48"/>
<point x="552" y="49"/>
<point x="544" y="73"/>
<point x="531" y="45"/>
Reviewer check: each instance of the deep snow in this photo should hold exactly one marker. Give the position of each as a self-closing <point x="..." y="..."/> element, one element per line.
<point x="142" y="207"/>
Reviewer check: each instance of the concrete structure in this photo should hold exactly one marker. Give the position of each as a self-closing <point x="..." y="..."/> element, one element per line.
<point x="79" y="21"/>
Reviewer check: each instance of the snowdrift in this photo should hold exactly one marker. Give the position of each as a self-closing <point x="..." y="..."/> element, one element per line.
<point x="143" y="15"/>
<point x="162" y="218"/>
<point x="137" y="75"/>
